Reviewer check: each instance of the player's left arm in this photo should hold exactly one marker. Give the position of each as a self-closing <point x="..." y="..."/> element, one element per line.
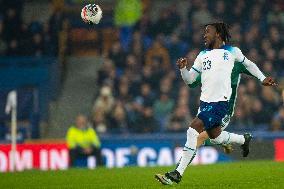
<point x="253" y="69"/>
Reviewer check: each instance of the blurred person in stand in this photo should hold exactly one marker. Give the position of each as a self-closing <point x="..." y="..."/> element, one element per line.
<point x="12" y="24"/>
<point x="179" y="120"/>
<point x="118" y="121"/>
<point x="158" y="51"/>
<point x="280" y="62"/>
<point x="176" y="47"/>
<point x="102" y="107"/>
<point x="118" y="56"/>
<point x="162" y="108"/>
<point x="3" y="44"/>
<point x="99" y="121"/>
<point x="82" y="141"/>
<point x="146" y="122"/>
<point x="36" y="45"/>
<point x="277" y="123"/>
<point x="106" y="72"/>
<point x="13" y="48"/>
<point x="105" y="100"/>
<point x="257" y="115"/>
<point x="168" y="20"/>
<point x="202" y="15"/>
<point x="122" y="91"/>
<point x="270" y="100"/>
<point x="146" y="96"/>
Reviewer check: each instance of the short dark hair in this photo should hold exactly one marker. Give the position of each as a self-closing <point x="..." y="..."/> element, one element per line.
<point x="223" y="29"/>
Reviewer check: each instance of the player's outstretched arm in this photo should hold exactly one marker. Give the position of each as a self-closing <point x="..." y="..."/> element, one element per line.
<point x="253" y="69"/>
<point x="189" y="77"/>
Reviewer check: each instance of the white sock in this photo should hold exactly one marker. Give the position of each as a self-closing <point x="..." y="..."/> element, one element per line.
<point x="228" y="138"/>
<point x="188" y="150"/>
<point x="235" y="139"/>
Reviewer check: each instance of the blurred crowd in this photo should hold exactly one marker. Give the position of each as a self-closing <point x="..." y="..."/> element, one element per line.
<point x="18" y="38"/>
<point x="141" y="90"/>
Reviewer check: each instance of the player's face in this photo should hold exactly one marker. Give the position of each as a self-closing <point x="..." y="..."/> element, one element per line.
<point x="209" y="36"/>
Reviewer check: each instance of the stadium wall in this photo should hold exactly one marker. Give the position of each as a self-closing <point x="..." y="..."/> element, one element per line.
<point x="137" y="151"/>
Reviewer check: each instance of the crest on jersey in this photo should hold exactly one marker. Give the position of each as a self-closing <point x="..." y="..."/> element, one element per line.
<point x="226" y="56"/>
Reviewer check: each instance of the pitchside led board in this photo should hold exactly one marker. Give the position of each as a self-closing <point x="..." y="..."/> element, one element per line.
<point x="124" y="153"/>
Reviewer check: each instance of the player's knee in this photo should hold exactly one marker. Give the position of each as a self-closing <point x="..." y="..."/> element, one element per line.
<point x="202" y="137"/>
<point x="217" y="140"/>
<point x="197" y="125"/>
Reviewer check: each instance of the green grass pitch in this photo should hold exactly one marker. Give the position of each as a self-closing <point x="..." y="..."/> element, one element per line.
<point x="258" y="174"/>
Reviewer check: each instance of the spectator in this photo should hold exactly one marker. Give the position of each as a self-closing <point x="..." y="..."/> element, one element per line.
<point x="278" y="120"/>
<point x="146" y="97"/>
<point x="159" y="52"/>
<point x="118" y="121"/>
<point x="137" y="47"/>
<point x="176" y="48"/>
<point x="179" y="120"/>
<point x="117" y="55"/>
<point x="3" y="44"/>
<point x="82" y="141"/>
<point x="11" y="31"/>
<point x="99" y="121"/>
<point x="37" y="45"/>
<point x="168" y="21"/>
<point x="133" y="67"/>
<point x="123" y="92"/>
<point x="202" y="15"/>
<point x="258" y="114"/>
<point x="270" y="101"/>
<point x="162" y="109"/>
<point x="106" y="73"/>
<point x="13" y="48"/>
<point x="105" y="101"/>
<point x="146" y="122"/>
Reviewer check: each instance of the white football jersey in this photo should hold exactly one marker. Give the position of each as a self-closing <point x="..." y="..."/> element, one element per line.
<point x="216" y="67"/>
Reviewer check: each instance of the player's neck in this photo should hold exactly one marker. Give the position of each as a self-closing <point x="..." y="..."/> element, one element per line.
<point x="218" y="44"/>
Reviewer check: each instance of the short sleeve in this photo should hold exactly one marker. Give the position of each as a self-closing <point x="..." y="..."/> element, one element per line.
<point x="239" y="55"/>
<point x="197" y="65"/>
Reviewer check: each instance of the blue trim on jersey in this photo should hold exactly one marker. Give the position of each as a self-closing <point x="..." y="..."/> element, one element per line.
<point x="225" y="47"/>
<point x="202" y="52"/>
<point x="228" y="48"/>
<point x="195" y="70"/>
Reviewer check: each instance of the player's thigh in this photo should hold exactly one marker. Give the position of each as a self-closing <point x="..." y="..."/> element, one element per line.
<point x="197" y="124"/>
<point x="214" y="132"/>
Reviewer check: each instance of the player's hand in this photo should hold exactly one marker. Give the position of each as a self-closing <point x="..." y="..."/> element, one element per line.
<point x="269" y="81"/>
<point x="181" y="63"/>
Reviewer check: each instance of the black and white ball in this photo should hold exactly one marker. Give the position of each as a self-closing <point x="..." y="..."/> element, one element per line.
<point x="92" y="14"/>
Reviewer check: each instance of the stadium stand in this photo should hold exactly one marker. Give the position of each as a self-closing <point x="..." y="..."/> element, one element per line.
<point x="139" y="70"/>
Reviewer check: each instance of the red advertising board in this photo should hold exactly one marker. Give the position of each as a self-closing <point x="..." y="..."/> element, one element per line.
<point x="35" y="156"/>
<point x="54" y="156"/>
<point x="279" y="149"/>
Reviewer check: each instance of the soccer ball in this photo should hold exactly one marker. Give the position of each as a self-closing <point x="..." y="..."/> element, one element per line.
<point x="92" y="14"/>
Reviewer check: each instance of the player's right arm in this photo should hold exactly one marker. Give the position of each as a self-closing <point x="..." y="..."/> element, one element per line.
<point x="191" y="76"/>
<point x="196" y="83"/>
